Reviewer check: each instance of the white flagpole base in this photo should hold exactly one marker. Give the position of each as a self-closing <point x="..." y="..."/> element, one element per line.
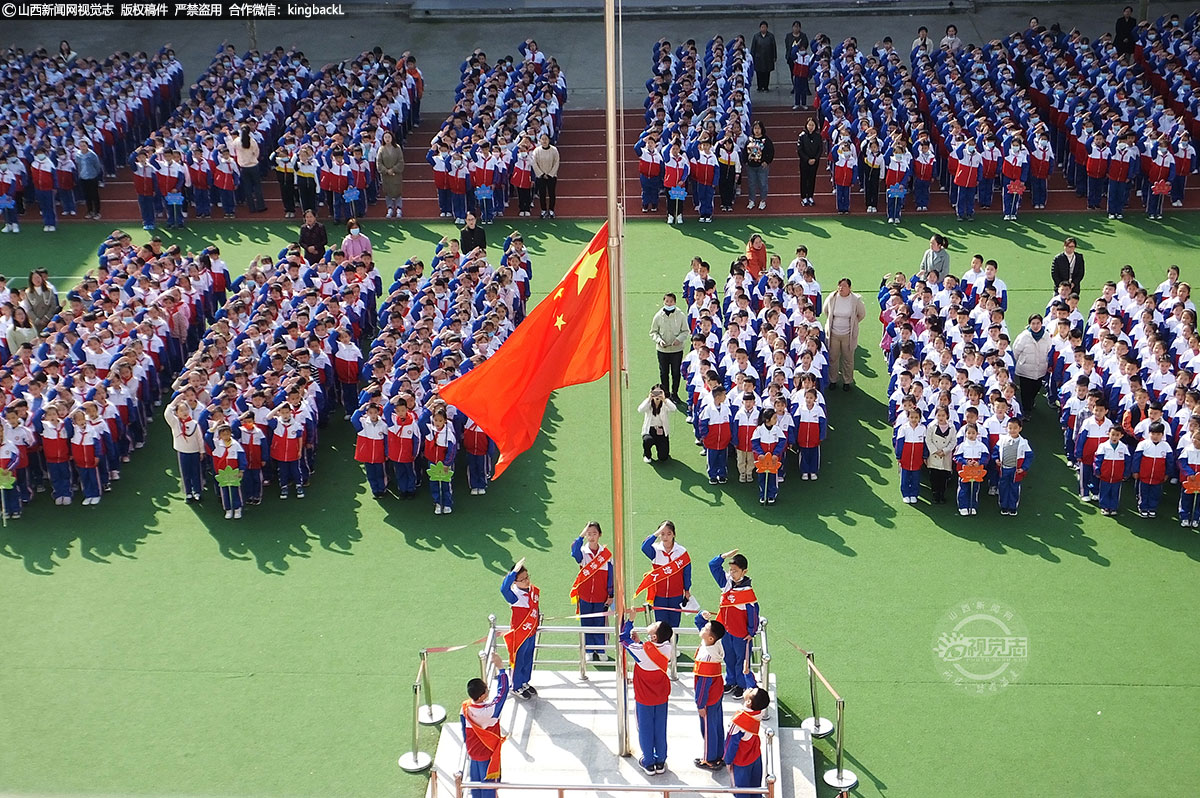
<point x="430" y="714"/>
<point x="840" y="780"/>
<point x="818" y="727"/>
<point x="415" y="762"/>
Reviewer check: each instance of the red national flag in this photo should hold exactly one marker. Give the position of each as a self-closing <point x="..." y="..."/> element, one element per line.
<point x="563" y="341"/>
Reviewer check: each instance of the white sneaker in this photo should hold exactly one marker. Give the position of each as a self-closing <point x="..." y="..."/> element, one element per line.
<point x="237" y="513"/>
<point x="7" y="229"/>
<point x="762" y="206"/>
<point x="670" y="219"/>
<point x="679" y="219"/>
<point x="646" y="460"/>
<point x="447" y="510"/>
<point x="749" y="204"/>
<point x="228" y="515"/>
<point x="1176" y="203"/>
<point x="16" y="228"/>
<point x="437" y="509"/>
<point x="51" y="228"/>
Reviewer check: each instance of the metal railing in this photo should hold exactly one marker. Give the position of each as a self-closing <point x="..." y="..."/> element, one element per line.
<point x="839" y="778"/>
<point x="428" y="713"/>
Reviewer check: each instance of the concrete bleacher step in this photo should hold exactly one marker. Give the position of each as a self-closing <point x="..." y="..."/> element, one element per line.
<point x="797" y="771"/>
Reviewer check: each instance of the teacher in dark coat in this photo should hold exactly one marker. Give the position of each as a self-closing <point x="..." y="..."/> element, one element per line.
<point x="762" y="50"/>
<point x="1067" y="267"/>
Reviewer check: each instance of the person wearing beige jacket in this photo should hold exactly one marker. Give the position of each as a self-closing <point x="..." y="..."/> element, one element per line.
<point x="545" y="171"/>
<point x="940" y="438"/>
<point x="844" y="311"/>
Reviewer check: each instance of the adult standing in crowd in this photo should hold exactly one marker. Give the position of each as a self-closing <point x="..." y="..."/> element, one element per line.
<point x="41" y="300"/>
<point x="809" y="147"/>
<point x="951" y="39"/>
<point x="356" y="242"/>
<point x="844" y="312"/>
<point x="244" y="150"/>
<point x="1031" y="350"/>
<point x="796" y="41"/>
<point x="1123" y="38"/>
<point x="545" y="169"/>
<point x="90" y="172"/>
<point x="1067" y="267"/>
<point x="764" y="53"/>
<point x="472" y="235"/>
<point x="760" y="151"/>
<point x="669" y="331"/>
<point x="656" y="410"/>
<point x="389" y="161"/>
<point x="936" y="258"/>
<point x="314" y="239"/>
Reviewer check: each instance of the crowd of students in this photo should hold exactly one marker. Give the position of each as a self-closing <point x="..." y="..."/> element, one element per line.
<point x="498" y="140"/>
<point x="757" y="370"/>
<point x="1118" y="373"/>
<point x="58" y="143"/>
<point x="1000" y="117"/>
<point x="699" y="135"/>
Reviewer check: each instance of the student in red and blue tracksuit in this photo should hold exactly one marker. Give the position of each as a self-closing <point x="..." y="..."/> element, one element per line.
<point x="227" y="452"/>
<point x="1189" y="465"/>
<point x="1122" y="167"/>
<point x="441" y="446"/>
<point x="743" y="745"/>
<point x="923" y="167"/>
<point x="480" y="718"/>
<point x="675" y="178"/>
<point x="56" y="448"/>
<point x="709" y="688"/>
<point x="1041" y="164"/>
<point x="1014" y="168"/>
<point x="477" y="445"/>
<point x="706" y="173"/>
<point x="593" y="586"/>
<point x="811" y="428"/>
<point x="845" y="173"/>
<point x="739" y="615"/>
<point x="403" y="444"/>
<point x="254" y="444"/>
<point x="1160" y="167"/>
<point x="651" y="689"/>
<point x="714" y="429"/>
<point x="10" y="461"/>
<point x="44" y="178"/>
<point x="768" y="438"/>
<point x="370" y="446"/>
<point x="897" y="171"/>
<point x="669" y="581"/>
<point x="650" y="164"/>
<point x="1096" y="171"/>
<point x="1112" y="468"/>
<point x="911" y="453"/>
<point x="1153" y="460"/>
<point x="525" y="600"/>
<point x="1014" y="457"/>
<point x="966" y="180"/>
<point x="287" y="447"/>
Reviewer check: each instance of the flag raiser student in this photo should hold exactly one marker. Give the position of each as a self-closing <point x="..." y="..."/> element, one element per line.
<point x="738" y="614"/>
<point x="743" y="745"/>
<point x="523" y="597"/>
<point x="651" y="689"/>
<point x="480" y="720"/>
<point x="709" y="688"/>
<point x="593" y="587"/>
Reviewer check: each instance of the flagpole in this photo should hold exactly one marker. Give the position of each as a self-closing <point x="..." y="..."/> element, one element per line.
<point x="615" y="280"/>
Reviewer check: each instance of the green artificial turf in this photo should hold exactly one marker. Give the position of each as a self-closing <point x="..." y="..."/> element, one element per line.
<point x="152" y="648"/>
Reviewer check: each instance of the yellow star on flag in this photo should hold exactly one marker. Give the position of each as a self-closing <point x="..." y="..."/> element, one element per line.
<point x="558" y="294"/>
<point x="559" y="322"/>
<point x="586" y="269"/>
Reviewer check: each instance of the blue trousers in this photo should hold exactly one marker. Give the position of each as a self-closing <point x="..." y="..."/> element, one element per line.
<point x="487" y="209"/>
<point x="968" y="495"/>
<point x="60" y="479"/>
<point x="12" y="501"/>
<point x="146" y="208"/>
<point x="1189" y="506"/>
<point x="67" y="198"/>
<point x="668" y="617"/>
<point x="910" y="483"/>
<point x="810" y="459"/>
<point x="799" y="91"/>
<point x="479" y="769"/>
<point x="747" y="776"/>
<point x="712" y="732"/>
<point x="477" y="471"/>
<point x="231" y="498"/>
<point x="1087" y="480"/>
<point x="987" y="186"/>
<point x="895" y="207"/>
<point x="406" y="477"/>
<point x="1012" y="202"/>
<point x="1037" y="190"/>
<point x="443" y="494"/>
<point x="737" y="649"/>
<point x="704" y="197"/>
<point x="89" y="482"/>
<point x="1154" y="204"/>
<point x="174" y="215"/>
<point x="443" y="197"/>
<point x="523" y="664"/>
<point x="842" y="194"/>
<point x="289" y="474"/>
<point x="1177" y="187"/>
<point x="768" y="487"/>
<point x="458" y="205"/>
<point x="1110" y="495"/>
<point x="1010" y="490"/>
<point x="189" y="469"/>
<point x="718" y="463"/>
<point x="652" y="733"/>
<point x="595" y="642"/>
<point x="202" y="201"/>
<point x="1149" y="496"/>
<point x="1095" y="191"/>
<point x="921" y="193"/>
<point x="376" y="478"/>
<point x="1118" y="196"/>
<point x="45" y="201"/>
<point x="252" y="484"/>
<point x="965" y="206"/>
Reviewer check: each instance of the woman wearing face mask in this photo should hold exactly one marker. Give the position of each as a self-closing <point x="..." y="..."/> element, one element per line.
<point x="355" y="243"/>
<point x="669" y="331"/>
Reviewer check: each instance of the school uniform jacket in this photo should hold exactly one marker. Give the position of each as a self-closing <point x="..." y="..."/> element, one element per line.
<point x="1112" y="462"/>
<point x="598" y="588"/>
<point x="370" y="444"/>
<point x="910" y="446"/>
<point x="743" y="746"/>
<point x="1153" y="462"/>
<point x="714" y="427"/>
<point x="1090" y="437"/>
<point x="651" y="687"/>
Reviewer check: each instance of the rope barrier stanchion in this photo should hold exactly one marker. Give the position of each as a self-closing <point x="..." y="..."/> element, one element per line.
<point x="840" y="778"/>
<point x="815" y="725"/>
<point x="415" y="760"/>
<point x="429" y="713"/>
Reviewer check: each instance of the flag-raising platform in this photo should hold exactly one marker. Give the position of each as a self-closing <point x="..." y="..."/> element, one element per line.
<point x="563" y="743"/>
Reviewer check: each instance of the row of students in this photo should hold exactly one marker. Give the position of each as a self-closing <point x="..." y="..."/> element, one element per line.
<point x="498" y="140"/>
